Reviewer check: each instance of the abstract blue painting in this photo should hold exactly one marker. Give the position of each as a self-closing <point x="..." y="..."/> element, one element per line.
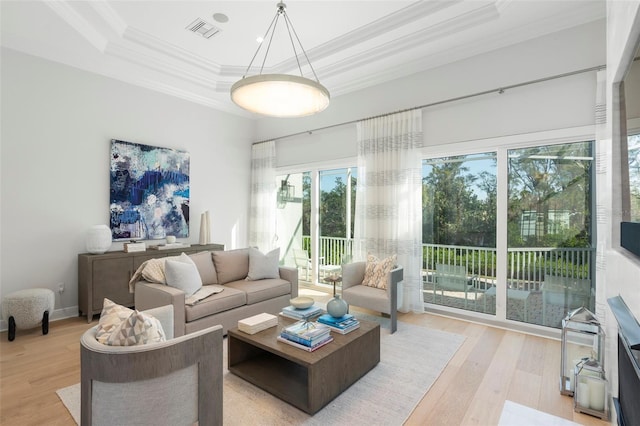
<point x="149" y="192"/>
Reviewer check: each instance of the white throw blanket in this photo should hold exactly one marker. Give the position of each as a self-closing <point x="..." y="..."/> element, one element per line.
<point x="152" y="271"/>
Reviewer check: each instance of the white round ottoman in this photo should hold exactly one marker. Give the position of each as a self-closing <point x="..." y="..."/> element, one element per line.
<point x="27" y="309"/>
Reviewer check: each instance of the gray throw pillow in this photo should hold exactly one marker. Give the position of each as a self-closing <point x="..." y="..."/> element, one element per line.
<point x="184" y="276"/>
<point x="263" y="266"/>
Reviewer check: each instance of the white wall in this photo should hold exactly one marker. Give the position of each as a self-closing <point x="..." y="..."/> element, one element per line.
<point x="622" y="268"/>
<point x="57" y="123"/>
<point x="561" y="103"/>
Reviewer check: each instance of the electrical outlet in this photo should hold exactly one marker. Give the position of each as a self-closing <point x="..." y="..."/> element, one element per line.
<point x="60" y="288"/>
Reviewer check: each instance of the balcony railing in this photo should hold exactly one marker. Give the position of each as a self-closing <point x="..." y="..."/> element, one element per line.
<point x="465" y="277"/>
<point x="333" y="250"/>
<point x="526" y="267"/>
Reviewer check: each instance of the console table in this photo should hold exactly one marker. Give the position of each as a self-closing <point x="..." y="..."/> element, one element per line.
<point x="107" y="275"/>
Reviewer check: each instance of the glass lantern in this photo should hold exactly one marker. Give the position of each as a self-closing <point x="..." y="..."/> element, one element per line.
<point x="591" y="396"/>
<point x="582" y="337"/>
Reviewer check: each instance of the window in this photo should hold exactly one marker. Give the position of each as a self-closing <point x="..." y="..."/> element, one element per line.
<point x="333" y="218"/>
<point x="459" y="230"/>
<point x="549" y="232"/>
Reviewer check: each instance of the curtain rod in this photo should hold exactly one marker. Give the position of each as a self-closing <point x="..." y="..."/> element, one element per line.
<point x="499" y="90"/>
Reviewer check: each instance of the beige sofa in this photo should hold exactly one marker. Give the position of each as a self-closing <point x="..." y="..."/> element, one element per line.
<point x="241" y="298"/>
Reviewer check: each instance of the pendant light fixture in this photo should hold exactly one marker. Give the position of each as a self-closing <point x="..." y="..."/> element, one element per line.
<point x="280" y="95"/>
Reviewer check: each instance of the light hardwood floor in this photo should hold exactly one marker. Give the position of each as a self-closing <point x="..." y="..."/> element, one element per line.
<point x="492" y="365"/>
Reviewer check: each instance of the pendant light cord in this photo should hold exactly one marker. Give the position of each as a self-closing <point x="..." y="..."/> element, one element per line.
<point x="274" y="23"/>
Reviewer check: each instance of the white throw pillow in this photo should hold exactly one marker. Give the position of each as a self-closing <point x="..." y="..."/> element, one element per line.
<point x="182" y="275"/>
<point x="110" y="318"/>
<point x="153" y="270"/>
<point x="263" y="266"/>
<point x="121" y="326"/>
<point x="138" y="329"/>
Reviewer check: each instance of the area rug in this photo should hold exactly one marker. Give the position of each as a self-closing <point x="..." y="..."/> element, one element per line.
<point x="411" y="360"/>
<point x="514" y="414"/>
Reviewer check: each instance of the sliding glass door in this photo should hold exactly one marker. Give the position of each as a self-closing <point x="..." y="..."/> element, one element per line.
<point x="315" y="220"/>
<point x="550" y="250"/>
<point x="459" y="231"/>
<point x="534" y="265"/>
<point x="292" y="221"/>
<point x="336" y="215"/>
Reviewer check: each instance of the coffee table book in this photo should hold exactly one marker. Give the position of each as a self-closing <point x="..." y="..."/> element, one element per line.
<point x="342" y="325"/>
<point x="344" y="330"/>
<point x="302" y="314"/>
<point x="304" y="347"/>
<point x="257" y="323"/>
<point x="305" y="332"/>
<point x="169" y="246"/>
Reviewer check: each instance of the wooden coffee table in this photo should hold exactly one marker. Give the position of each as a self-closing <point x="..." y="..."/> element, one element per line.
<point x="306" y="380"/>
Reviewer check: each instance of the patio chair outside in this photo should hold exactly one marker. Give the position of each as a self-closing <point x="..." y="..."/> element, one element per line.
<point x="303" y="261"/>
<point x="453" y="278"/>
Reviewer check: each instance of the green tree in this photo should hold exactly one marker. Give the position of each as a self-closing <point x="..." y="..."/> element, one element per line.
<point x="550" y="196"/>
<point x="332" y="208"/>
<point x="452" y="212"/>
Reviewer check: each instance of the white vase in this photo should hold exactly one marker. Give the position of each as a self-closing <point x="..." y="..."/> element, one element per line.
<point x="98" y="239"/>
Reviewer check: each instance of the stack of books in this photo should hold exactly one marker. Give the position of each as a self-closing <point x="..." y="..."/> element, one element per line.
<point x="343" y="325"/>
<point x="306" y="335"/>
<point x="169" y="246"/>
<point x="302" y="314"/>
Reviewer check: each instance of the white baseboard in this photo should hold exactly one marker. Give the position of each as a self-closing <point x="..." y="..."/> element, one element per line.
<point x="56" y="315"/>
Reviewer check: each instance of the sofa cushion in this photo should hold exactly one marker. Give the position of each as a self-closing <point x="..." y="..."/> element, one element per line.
<point x="183" y="276"/>
<point x="206" y="268"/>
<point x="263" y="266"/>
<point x="231" y="265"/>
<point x="230" y="298"/>
<point x="260" y="290"/>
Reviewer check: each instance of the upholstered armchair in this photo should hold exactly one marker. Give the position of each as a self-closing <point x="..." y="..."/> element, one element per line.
<point x="174" y="382"/>
<point x="376" y="299"/>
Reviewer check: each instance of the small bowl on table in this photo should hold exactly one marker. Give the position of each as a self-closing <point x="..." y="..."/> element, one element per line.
<point x="301" y="302"/>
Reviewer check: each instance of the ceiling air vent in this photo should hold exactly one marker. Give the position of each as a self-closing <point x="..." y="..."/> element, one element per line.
<point x="205" y="29"/>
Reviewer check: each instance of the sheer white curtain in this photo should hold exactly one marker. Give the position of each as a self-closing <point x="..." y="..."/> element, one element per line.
<point x="603" y="198"/>
<point x="389" y="197"/>
<point x="262" y="212"/>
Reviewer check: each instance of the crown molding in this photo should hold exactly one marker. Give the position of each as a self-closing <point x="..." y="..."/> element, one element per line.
<point x="78" y="23"/>
<point x="421" y="38"/>
<point x="414" y="12"/>
<point x="161" y="65"/>
<point x="178" y="72"/>
<point x="109" y="16"/>
<point x="141" y="38"/>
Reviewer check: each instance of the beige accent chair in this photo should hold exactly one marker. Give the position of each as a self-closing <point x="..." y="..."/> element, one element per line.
<point x="174" y="382"/>
<point x="381" y="300"/>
